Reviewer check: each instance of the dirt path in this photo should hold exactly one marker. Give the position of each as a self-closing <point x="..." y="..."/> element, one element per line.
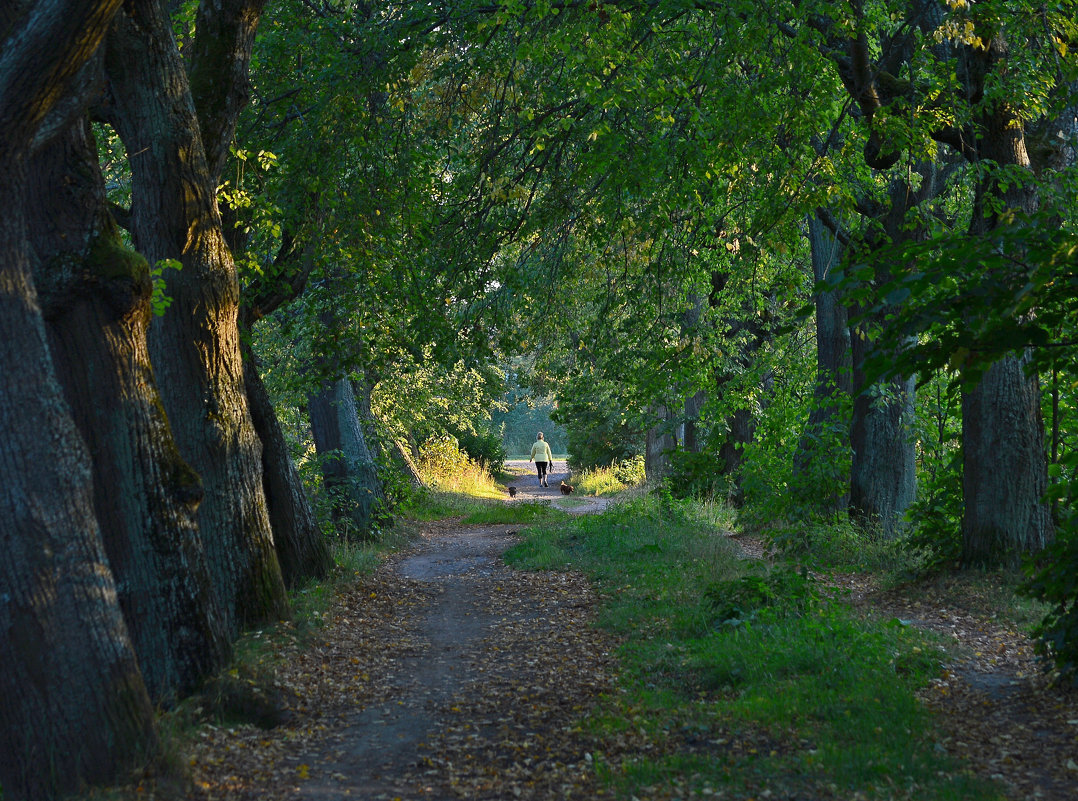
<point x="445" y="675"/>
<point x="527" y="487"/>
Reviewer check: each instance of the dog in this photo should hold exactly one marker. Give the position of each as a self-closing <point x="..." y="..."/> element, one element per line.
<point x="512" y="492"/>
<point x="566" y="489"/>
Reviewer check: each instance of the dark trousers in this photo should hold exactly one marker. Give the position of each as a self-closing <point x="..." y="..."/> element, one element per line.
<point x="541" y="467"/>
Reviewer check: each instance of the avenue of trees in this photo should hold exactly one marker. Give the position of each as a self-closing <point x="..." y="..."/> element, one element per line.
<point x="813" y="257"/>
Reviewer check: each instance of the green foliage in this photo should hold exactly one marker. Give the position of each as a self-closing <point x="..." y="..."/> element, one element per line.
<point x="481" y="443"/>
<point x="159" y="298"/>
<point x="783" y="591"/>
<point x="696" y="475"/>
<point x="629" y="472"/>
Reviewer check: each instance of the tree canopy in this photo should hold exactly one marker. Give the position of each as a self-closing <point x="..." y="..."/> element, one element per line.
<point x="814" y="258"/>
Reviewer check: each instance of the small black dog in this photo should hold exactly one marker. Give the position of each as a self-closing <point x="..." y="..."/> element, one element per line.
<point x="512" y="492"/>
<point x="566" y="489"/>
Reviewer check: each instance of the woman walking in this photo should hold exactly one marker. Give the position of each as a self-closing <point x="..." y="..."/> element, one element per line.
<point x="542" y="457"/>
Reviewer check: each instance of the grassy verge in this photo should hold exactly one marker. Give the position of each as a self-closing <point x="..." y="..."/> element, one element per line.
<point x="741" y="683"/>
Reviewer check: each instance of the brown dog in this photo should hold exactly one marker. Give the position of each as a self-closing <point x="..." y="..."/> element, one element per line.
<point x="566" y="489"/>
<point x="512" y="492"/>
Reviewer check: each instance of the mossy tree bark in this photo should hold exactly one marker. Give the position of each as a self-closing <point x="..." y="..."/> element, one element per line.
<point x="95" y="296"/>
<point x="73" y="705"/>
<point x="195" y="347"/>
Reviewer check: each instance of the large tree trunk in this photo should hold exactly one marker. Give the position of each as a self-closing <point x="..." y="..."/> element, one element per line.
<point x="1005" y="470"/>
<point x="1004" y="476"/>
<point x="828" y="423"/>
<point x="740" y="429"/>
<point x="348" y="468"/>
<point x="301" y="550"/>
<point x="95" y="296"/>
<point x="73" y="706"/>
<point x="883" y="480"/>
<point x="195" y="347"/>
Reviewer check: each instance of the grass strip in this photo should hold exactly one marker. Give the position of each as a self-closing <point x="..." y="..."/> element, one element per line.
<point x="741" y="682"/>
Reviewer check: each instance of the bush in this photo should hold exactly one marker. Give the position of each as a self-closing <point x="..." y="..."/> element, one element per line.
<point x="482" y="445"/>
<point x="696" y="475"/>
<point x="629" y="471"/>
<point x="786" y="591"/>
<point x="1054" y="580"/>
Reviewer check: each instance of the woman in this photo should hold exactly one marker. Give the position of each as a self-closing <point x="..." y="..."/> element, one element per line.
<point x="542" y="457"/>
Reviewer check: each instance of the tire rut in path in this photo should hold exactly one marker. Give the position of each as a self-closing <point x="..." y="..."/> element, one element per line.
<point x="472" y="681"/>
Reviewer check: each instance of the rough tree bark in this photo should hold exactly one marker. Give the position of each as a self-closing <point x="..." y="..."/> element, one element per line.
<point x="301" y="549"/>
<point x="691" y="440"/>
<point x="348" y="468"/>
<point x="1004" y="465"/>
<point x="73" y="706"/>
<point x="195" y="347"/>
<point x="95" y="296"/>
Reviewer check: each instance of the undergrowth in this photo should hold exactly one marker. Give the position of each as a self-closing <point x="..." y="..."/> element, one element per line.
<point x="605" y="481"/>
<point x="743" y="679"/>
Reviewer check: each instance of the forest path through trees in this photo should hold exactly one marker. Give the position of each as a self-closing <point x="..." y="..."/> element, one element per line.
<point x="443" y="675"/>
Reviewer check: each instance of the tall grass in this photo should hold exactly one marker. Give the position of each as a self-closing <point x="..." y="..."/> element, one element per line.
<point x="606" y="481"/>
<point x="740" y="680"/>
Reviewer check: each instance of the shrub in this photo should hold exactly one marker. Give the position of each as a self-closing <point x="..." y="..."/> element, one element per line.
<point x="696" y="475"/>
<point x="786" y="591"/>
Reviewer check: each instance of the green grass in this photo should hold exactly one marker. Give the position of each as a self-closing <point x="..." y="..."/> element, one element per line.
<point x="738" y="688"/>
<point x="600" y="481"/>
<point x="428" y="505"/>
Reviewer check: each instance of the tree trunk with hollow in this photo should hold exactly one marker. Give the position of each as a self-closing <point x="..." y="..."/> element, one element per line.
<point x="95" y="296"/>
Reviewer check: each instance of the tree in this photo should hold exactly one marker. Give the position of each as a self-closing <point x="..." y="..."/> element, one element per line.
<point x="195" y="348"/>
<point x="95" y="295"/>
<point x="74" y="707"/>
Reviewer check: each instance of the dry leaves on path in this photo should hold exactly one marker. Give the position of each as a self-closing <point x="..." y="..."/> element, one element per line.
<point x="998" y="709"/>
<point x="445" y="675"/>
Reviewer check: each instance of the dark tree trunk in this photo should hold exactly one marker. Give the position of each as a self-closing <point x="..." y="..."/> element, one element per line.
<point x="73" y="705"/>
<point x="659" y="442"/>
<point x="1005" y="470"/>
<point x="347" y="466"/>
<point x="828" y="422"/>
<point x="691" y="439"/>
<point x="301" y="550"/>
<point x="883" y="476"/>
<point x="195" y="347"/>
<point x="740" y="428"/>
<point x="1003" y="477"/>
<point x="95" y="296"/>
